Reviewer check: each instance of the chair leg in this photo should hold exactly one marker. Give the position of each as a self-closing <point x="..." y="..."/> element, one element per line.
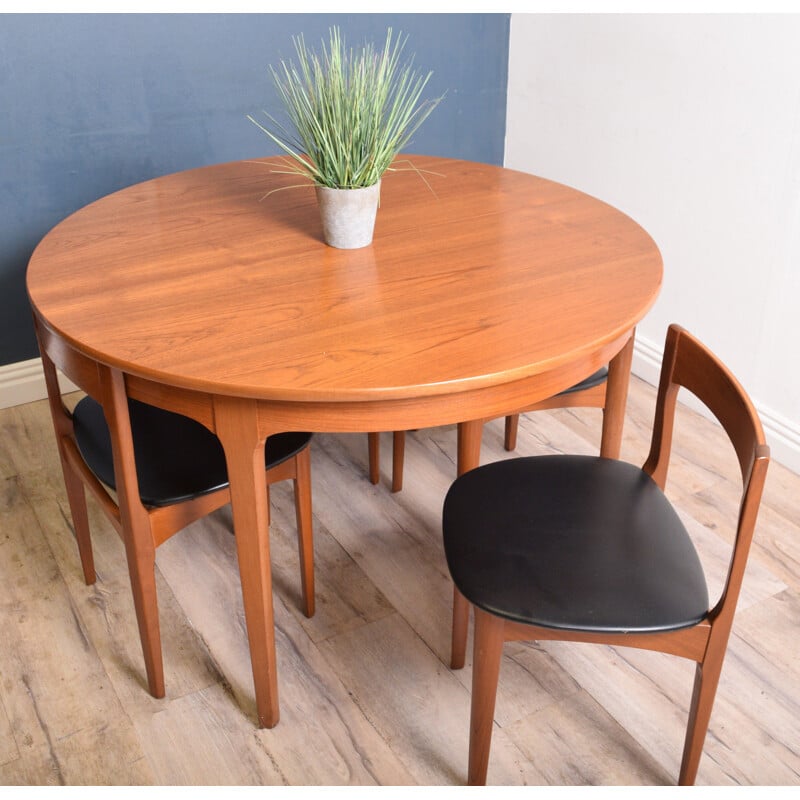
<point x="512" y="426"/>
<point x="305" y="534"/>
<point x="76" y="495"/>
<point x="487" y="652"/>
<point x="374" y="457"/>
<point x="706" y="679"/>
<point x="398" y="459"/>
<point x="142" y="570"/>
<point x="458" y="648"/>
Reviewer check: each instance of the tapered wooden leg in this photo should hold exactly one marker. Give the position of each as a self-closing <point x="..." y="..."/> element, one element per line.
<point x="512" y="426"/>
<point x="237" y="428"/>
<point x="458" y="645"/>
<point x="619" y="373"/>
<point x="305" y="534"/>
<point x="398" y="459"/>
<point x="706" y="679"/>
<point x="469" y="456"/>
<point x="142" y="571"/>
<point x="76" y="495"/>
<point x="374" y="457"/>
<point x="487" y="652"/>
<point x="141" y="556"/>
<point x="137" y="533"/>
<point x="469" y="445"/>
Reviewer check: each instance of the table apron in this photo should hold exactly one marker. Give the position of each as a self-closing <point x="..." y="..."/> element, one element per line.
<point x="275" y="416"/>
<point x="421" y="412"/>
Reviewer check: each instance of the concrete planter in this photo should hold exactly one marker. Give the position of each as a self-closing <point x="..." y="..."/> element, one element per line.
<point x="348" y="215"/>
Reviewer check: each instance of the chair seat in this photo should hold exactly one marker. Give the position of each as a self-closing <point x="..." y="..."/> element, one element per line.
<point x="177" y="458"/>
<point x="595" y="379"/>
<point x="574" y="543"/>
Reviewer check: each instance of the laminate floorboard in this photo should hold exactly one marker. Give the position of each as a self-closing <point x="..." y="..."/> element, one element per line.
<point x="367" y="697"/>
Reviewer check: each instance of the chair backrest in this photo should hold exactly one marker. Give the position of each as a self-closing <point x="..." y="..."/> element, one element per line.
<point x="690" y="364"/>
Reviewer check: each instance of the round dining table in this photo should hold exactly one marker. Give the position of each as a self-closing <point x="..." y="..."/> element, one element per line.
<point x="484" y="291"/>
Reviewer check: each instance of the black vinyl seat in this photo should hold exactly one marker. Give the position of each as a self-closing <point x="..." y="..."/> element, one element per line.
<point x="572" y="542"/>
<point x="177" y="458"/>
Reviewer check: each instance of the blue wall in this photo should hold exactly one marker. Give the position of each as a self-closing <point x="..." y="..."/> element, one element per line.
<point x="93" y="103"/>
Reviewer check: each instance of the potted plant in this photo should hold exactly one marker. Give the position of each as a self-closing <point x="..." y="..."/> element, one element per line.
<point x="350" y="112"/>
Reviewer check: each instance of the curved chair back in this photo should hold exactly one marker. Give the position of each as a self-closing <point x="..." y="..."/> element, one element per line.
<point x="512" y="528"/>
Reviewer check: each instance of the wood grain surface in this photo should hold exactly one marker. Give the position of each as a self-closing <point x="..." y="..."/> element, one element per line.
<point x="477" y="275"/>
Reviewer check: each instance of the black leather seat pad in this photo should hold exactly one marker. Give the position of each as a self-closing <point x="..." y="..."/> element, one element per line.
<point x="572" y="542"/>
<point x="177" y="458"/>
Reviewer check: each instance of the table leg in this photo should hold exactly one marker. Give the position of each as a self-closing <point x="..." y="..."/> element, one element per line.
<point x="469" y="445"/>
<point x="237" y="428"/>
<point x="469" y="456"/>
<point x="619" y="373"/>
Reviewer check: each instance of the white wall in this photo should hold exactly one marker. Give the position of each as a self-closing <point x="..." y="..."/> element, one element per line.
<point x="691" y="125"/>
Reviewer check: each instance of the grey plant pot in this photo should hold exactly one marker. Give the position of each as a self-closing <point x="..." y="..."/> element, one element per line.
<point x="348" y="215"/>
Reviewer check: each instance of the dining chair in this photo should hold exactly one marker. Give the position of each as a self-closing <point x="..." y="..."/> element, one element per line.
<point x="589" y="549"/>
<point x="166" y="469"/>
<point x="589" y="393"/>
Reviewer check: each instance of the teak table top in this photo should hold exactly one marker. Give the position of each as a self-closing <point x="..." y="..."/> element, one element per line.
<point x="477" y="275"/>
<point x="484" y="291"/>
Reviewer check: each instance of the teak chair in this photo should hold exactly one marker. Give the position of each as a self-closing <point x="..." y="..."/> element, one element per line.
<point x="589" y="393"/>
<point x="167" y="471"/>
<point x="589" y="549"/>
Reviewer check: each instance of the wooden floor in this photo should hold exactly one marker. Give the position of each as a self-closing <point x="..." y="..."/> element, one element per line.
<point x="366" y="693"/>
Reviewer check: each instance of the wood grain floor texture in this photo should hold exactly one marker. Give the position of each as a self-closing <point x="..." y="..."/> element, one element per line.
<point x="366" y="693"/>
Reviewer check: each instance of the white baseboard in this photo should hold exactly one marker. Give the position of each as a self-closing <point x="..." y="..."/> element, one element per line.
<point x="647" y="360"/>
<point x="23" y="382"/>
